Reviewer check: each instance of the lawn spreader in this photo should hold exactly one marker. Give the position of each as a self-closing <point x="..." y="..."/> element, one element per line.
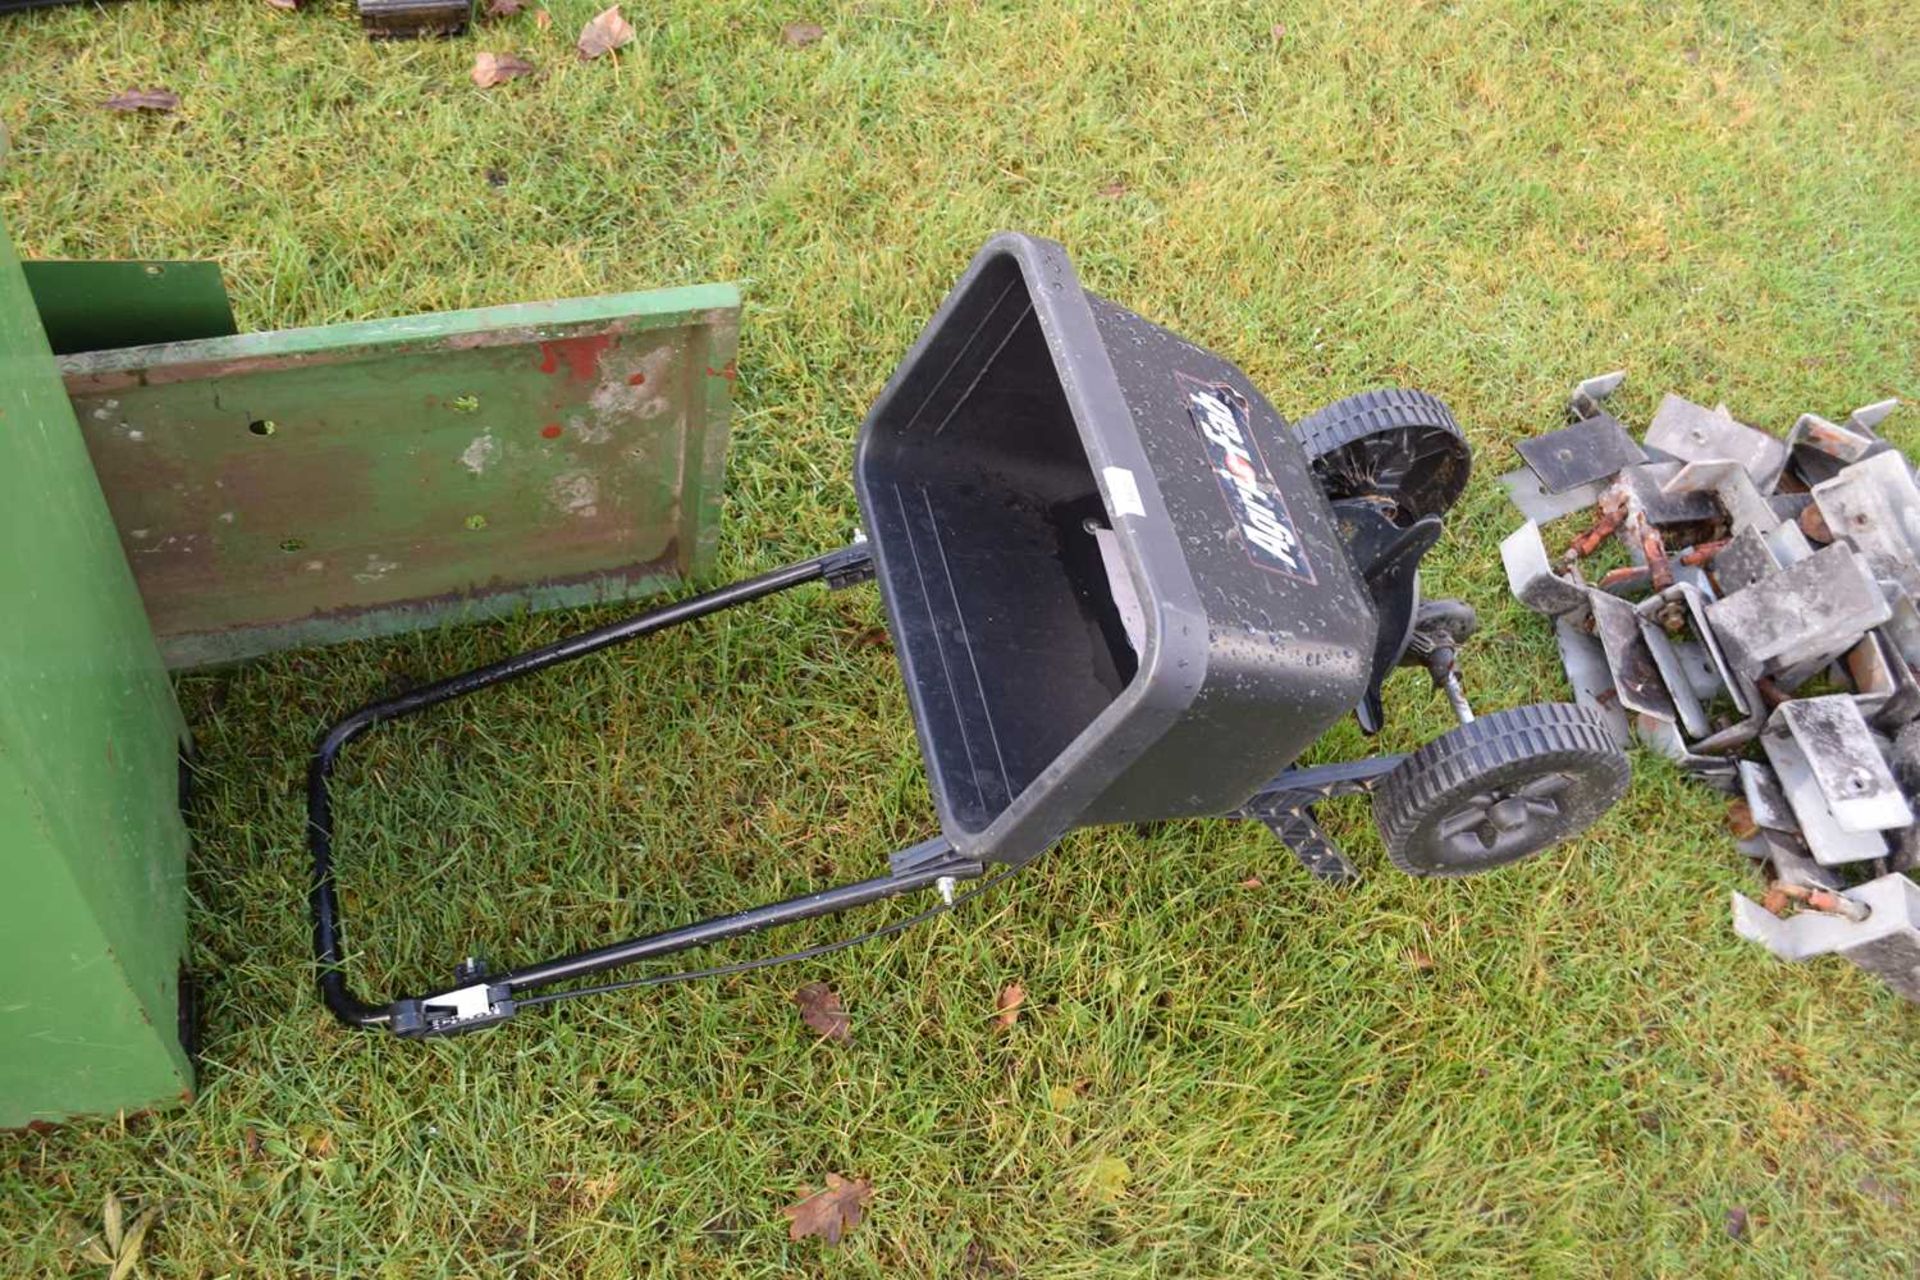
<point x="1120" y="590"/>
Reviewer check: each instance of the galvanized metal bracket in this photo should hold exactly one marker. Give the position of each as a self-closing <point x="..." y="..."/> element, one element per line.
<point x="1886" y="943"/>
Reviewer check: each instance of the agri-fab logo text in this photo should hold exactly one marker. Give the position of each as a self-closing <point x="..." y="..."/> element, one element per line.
<point x="1220" y="416"/>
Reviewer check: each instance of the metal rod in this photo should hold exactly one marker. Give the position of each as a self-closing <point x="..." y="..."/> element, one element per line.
<point x="1303" y="786"/>
<point x="1457" y="696"/>
<point x="706" y="932"/>
<point x="329" y="948"/>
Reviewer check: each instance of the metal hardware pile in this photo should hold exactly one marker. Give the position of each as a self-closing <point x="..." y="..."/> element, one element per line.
<point x="1761" y="631"/>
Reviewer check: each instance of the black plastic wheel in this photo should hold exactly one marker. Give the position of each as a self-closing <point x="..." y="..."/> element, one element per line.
<point x="1501" y="788"/>
<point x="1393" y="444"/>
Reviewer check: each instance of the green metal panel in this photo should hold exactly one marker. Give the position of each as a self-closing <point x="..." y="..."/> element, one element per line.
<point x="315" y="485"/>
<point x="90" y="306"/>
<point x="92" y="923"/>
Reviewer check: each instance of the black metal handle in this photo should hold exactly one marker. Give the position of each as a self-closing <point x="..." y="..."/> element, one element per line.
<point x="841" y="567"/>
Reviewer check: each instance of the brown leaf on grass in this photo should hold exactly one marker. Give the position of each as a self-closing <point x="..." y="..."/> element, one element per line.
<point x="1421" y="961"/>
<point x="490" y="69"/>
<point x="284" y="4"/>
<point x="831" y="1213"/>
<point x="1252" y="882"/>
<point x="799" y="35"/>
<point x="129" y="1253"/>
<point x="1007" y="1007"/>
<point x="119" y="1243"/>
<point x="604" y="33"/>
<point x="820" y="1009"/>
<point x="542" y="19"/>
<point x="1113" y="190"/>
<point x="504" y="8"/>
<point x="143" y="100"/>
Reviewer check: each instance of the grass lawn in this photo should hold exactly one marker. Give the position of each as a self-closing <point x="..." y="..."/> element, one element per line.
<point x="1569" y="1068"/>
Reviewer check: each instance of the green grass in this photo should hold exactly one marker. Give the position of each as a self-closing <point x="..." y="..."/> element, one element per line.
<point x="1485" y="200"/>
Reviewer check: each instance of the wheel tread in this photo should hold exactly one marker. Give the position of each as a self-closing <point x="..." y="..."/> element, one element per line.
<point x="1550" y="729"/>
<point x="1386" y="411"/>
<point x="1382" y="409"/>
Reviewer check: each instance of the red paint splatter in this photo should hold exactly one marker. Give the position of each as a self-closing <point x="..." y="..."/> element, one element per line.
<point x="551" y="431"/>
<point x="637" y="380"/>
<point x="580" y="355"/>
<point x="729" y="373"/>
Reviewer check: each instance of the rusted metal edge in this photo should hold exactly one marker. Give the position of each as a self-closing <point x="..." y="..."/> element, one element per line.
<point x="512" y="324"/>
<point x="199" y="650"/>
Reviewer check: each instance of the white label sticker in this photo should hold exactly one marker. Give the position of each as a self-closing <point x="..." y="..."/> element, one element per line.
<point x="1123" y="492"/>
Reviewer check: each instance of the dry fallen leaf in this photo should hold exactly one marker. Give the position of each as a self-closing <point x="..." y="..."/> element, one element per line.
<point x="119" y="1243"/>
<point x="820" y="1009"/>
<point x="130" y="1244"/>
<point x="801" y="34"/>
<point x="490" y="69"/>
<point x="1113" y="190"/>
<point x="143" y="100"/>
<point x="1007" y="1007"/>
<point x="1252" y="882"/>
<point x="831" y="1213"/>
<point x="606" y="32"/>
<point x="1420" y="960"/>
<point x="542" y="19"/>
<point x="284" y="4"/>
<point x="504" y="8"/>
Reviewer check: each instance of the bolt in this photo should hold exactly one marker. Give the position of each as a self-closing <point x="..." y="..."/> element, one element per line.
<point x="945" y="886"/>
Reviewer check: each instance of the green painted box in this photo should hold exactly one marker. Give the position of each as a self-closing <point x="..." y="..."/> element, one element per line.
<point x="211" y="499"/>
<point x="93" y="920"/>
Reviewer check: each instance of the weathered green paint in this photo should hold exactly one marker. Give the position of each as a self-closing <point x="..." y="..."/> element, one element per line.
<point x="91" y="306"/>
<point x="316" y="485"/>
<point x="92" y="920"/>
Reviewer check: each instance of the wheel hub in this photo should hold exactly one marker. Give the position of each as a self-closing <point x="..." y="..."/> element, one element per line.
<point x="1505" y="820"/>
